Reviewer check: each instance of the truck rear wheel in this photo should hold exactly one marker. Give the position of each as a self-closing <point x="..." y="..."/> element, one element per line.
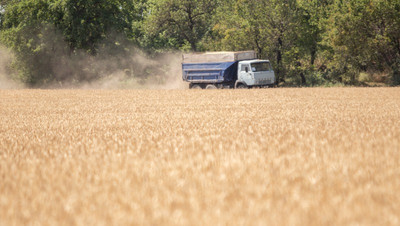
<point x="211" y="87"/>
<point x="196" y="87"/>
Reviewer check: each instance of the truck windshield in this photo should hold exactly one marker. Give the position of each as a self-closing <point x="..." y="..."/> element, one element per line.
<point x="262" y="66"/>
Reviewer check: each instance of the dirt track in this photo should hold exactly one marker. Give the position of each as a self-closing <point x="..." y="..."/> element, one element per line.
<point x="200" y="157"/>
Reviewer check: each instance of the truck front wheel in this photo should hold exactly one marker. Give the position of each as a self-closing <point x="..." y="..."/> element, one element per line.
<point x="241" y="86"/>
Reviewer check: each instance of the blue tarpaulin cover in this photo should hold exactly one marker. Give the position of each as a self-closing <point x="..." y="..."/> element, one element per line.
<point x="210" y="72"/>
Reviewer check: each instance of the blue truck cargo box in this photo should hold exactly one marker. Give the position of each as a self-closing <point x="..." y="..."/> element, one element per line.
<point x="223" y="72"/>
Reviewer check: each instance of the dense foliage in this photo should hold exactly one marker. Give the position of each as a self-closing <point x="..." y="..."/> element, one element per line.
<point x="309" y="42"/>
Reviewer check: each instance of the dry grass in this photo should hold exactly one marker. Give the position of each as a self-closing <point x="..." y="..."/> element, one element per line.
<point x="220" y="157"/>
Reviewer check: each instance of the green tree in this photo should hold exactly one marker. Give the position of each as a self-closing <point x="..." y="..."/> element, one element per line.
<point x="230" y="30"/>
<point x="84" y="23"/>
<point x="180" y="21"/>
<point x="23" y="26"/>
<point x="366" y="36"/>
<point x="312" y="19"/>
<point x="267" y="26"/>
<point x="49" y="37"/>
<point x="313" y="15"/>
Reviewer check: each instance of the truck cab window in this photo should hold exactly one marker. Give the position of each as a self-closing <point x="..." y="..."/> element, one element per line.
<point x="244" y="68"/>
<point x="262" y="66"/>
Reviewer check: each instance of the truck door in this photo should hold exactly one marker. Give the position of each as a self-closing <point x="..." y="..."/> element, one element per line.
<point x="245" y="74"/>
<point x="262" y="73"/>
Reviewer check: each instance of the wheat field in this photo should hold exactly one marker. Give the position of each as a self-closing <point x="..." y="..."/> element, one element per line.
<point x="200" y="157"/>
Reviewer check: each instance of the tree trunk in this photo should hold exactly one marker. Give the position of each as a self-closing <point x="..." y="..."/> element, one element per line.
<point x="193" y="46"/>
<point x="313" y="55"/>
<point x="279" y="75"/>
<point x="259" y="48"/>
<point x="395" y="75"/>
<point x="303" y="78"/>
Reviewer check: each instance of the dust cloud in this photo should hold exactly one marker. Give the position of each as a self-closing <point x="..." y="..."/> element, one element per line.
<point x="6" y="82"/>
<point x="121" y="66"/>
<point x="162" y="71"/>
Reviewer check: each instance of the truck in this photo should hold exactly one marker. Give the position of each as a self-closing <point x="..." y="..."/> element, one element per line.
<point x="225" y="70"/>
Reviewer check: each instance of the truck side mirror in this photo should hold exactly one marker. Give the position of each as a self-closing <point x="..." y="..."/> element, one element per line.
<point x="246" y="69"/>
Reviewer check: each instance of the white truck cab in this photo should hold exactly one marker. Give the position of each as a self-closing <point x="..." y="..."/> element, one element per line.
<point x="255" y="73"/>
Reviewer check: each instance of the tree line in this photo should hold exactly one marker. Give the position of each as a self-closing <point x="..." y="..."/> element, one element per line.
<point x="309" y="42"/>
